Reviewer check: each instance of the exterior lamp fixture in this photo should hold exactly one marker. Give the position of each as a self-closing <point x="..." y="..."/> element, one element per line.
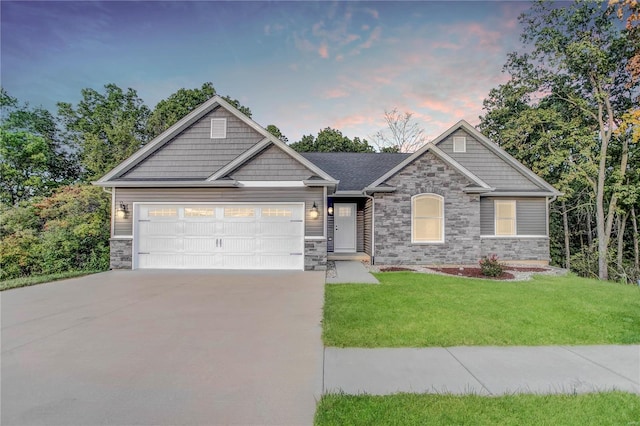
<point x="330" y="210"/>
<point x="313" y="214"/>
<point x="122" y="211"/>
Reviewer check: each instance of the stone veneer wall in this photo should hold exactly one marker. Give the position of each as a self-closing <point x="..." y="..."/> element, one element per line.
<point x="120" y="253"/>
<point x="517" y="249"/>
<point x="428" y="174"/>
<point x="315" y="255"/>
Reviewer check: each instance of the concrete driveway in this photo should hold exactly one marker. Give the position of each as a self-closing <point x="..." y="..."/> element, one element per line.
<point x="163" y="348"/>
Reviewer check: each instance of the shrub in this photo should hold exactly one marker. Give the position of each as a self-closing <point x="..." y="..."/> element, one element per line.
<point x="491" y="266"/>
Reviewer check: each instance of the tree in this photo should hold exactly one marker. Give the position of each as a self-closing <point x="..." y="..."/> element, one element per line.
<point x="168" y="111"/>
<point x="331" y="140"/>
<point x="32" y="161"/>
<point x="402" y="133"/>
<point x="577" y="55"/>
<point x="106" y="128"/>
<point x="277" y="133"/>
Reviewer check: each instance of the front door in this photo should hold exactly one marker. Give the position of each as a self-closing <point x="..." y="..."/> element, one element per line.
<point x="344" y="222"/>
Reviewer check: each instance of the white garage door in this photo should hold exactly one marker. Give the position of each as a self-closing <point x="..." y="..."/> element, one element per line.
<point x="219" y="236"/>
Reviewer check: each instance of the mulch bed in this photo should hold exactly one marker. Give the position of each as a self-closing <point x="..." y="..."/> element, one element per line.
<point x="395" y="269"/>
<point x="472" y="273"/>
<point x="475" y="272"/>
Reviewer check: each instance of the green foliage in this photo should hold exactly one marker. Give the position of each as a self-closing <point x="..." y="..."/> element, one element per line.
<point x="106" y="128"/>
<point x="331" y="140"/>
<point x="277" y="133"/>
<point x="171" y="110"/>
<point x="491" y="266"/>
<point x="66" y="231"/>
<point x="606" y="408"/>
<point x="423" y="310"/>
<point x="32" y="162"/>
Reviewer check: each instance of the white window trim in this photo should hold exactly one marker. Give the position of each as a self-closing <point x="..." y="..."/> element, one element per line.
<point x="222" y="135"/>
<point x="413" y="198"/>
<point x="495" y="218"/>
<point x="463" y="140"/>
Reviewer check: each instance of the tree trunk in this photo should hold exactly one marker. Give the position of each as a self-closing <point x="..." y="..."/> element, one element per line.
<point x="636" y="254"/>
<point x="589" y="230"/>
<point x="565" y="225"/>
<point x="622" y="222"/>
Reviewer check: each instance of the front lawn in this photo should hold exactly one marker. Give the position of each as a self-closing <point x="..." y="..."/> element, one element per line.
<point x="610" y="408"/>
<point x="418" y="310"/>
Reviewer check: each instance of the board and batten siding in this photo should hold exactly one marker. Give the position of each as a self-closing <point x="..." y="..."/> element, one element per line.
<point x="486" y="165"/>
<point x="313" y="228"/>
<point x="531" y="216"/>
<point x="272" y="164"/>
<point x="193" y="154"/>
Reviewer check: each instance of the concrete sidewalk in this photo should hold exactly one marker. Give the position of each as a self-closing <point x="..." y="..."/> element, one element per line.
<point x="351" y="271"/>
<point x="482" y="370"/>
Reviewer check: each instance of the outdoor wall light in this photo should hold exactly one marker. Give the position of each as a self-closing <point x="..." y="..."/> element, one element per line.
<point x="330" y="210"/>
<point x="313" y="214"/>
<point x="122" y="211"/>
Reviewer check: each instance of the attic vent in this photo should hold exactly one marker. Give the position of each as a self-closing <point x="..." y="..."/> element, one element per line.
<point x="459" y="144"/>
<point x="218" y="128"/>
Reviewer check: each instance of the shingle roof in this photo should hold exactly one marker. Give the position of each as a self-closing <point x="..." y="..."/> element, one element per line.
<point x="354" y="170"/>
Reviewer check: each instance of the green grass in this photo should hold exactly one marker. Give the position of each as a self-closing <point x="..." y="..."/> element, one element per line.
<point x="610" y="408"/>
<point x="419" y="310"/>
<point x="39" y="279"/>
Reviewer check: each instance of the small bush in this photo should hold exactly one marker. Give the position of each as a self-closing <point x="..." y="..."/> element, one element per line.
<point x="491" y="266"/>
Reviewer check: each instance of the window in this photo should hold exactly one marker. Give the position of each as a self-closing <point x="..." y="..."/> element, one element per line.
<point x="274" y="212"/>
<point x="459" y="144"/>
<point x="199" y="212"/>
<point x="218" y="128"/>
<point x="163" y="212"/>
<point x="505" y="212"/>
<point x="427" y="215"/>
<point x="238" y="212"/>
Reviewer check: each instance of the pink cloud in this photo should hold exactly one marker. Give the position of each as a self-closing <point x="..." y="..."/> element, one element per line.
<point x="335" y="93"/>
<point x="323" y="51"/>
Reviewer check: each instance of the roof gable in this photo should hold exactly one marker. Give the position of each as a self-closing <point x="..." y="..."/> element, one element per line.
<point x="272" y="163"/>
<point x="430" y="147"/>
<point x="490" y="162"/>
<point x="233" y="155"/>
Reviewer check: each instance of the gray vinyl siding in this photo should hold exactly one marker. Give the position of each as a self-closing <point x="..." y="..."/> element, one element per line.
<point x="193" y="154"/>
<point x="360" y="231"/>
<point x="531" y="216"/>
<point x="368" y="226"/>
<point x="486" y="165"/>
<point x="272" y="164"/>
<point x="123" y="227"/>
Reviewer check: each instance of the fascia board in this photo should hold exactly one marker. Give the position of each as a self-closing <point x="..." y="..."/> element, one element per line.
<point x="240" y="160"/>
<point x="168" y="184"/>
<point x="162" y="138"/>
<point x="438" y="153"/>
<point x="523" y="194"/>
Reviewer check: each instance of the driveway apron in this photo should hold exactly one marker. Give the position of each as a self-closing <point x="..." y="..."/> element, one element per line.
<point x="163" y="348"/>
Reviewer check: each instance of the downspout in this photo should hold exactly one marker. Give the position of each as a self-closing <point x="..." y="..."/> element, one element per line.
<point x="373" y="227"/>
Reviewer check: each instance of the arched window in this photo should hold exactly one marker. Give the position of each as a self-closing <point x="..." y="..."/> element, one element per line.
<point x="427" y="218"/>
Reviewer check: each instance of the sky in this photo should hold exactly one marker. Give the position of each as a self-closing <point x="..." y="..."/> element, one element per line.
<point x="302" y="66"/>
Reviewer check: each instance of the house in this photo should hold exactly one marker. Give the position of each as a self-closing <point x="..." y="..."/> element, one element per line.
<point x="216" y="190"/>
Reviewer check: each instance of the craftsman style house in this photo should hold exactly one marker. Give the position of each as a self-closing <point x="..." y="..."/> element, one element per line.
<point x="216" y="190"/>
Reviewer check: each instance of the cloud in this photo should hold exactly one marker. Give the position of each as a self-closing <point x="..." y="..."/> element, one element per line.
<point x="323" y="51"/>
<point x="335" y="93"/>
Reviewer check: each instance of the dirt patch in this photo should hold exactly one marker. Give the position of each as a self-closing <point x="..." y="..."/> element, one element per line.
<point x="396" y="269"/>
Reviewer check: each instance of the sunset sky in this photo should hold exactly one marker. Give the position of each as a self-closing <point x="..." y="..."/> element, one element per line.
<point x="302" y="66"/>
